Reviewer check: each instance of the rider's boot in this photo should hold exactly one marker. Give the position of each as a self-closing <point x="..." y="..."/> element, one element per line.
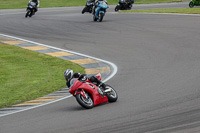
<point x="103" y="90"/>
<point x="102" y="86"/>
<point x="100" y="92"/>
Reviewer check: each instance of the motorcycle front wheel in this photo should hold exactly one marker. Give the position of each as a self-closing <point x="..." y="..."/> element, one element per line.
<point x="101" y="15"/>
<point x="191" y="4"/>
<point x="112" y="95"/>
<point x="85" y="102"/>
<point x="27" y="13"/>
<point x="94" y="18"/>
<point x="84" y="10"/>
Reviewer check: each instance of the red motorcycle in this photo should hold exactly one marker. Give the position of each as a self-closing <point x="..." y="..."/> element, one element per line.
<point x="88" y="94"/>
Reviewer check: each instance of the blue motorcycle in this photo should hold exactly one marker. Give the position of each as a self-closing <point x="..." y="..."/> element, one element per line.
<point x="100" y="10"/>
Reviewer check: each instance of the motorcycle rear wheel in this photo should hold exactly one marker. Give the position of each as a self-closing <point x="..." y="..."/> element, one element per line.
<point x="130" y="7"/>
<point x="112" y="95"/>
<point x="85" y="102"/>
<point x="27" y="13"/>
<point x="117" y="8"/>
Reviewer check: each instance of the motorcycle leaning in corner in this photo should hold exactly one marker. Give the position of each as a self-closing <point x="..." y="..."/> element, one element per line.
<point x="31" y="9"/>
<point x="194" y="3"/>
<point x="99" y="10"/>
<point x="88" y="7"/>
<point x="124" y="5"/>
<point x="89" y="94"/>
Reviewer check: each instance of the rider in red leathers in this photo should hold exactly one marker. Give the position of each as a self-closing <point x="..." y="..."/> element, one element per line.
<point x="69" y="75"/>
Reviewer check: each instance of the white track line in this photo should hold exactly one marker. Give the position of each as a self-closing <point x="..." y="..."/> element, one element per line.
<point x="41" y="10"/>
<point x="114" y="68"/>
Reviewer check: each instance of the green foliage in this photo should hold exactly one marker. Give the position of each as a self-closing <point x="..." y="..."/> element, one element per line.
<point x="174" y="10"/>
<point x="26" y="75"/>
<point x="157" y="1"/>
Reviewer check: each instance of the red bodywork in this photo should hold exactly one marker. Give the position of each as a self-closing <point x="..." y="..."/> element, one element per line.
<point x="88" y="86"/>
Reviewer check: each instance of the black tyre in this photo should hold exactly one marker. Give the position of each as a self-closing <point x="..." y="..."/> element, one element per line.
<point x="117" y="8"/>
<point x="112" y="95"/>
<point x="31" y="13"/>
<point x="94" y="18"/>
<point x="27" y="13"/>
<point x="85" y="102"/>
<point x="191" y="4"/>
<point x="101" y="15"/>
<point x="130" y="7"/>
<point x="84" y="10"/>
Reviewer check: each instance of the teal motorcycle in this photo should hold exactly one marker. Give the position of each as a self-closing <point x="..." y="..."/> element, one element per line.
<point x="194" y="3"/>
<point x="100" y="10"/>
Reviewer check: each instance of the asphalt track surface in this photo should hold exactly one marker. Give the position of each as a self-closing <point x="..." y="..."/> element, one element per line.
<point x="158" y="74"/>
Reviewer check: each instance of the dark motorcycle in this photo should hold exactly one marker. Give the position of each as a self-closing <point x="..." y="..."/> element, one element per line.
<point x="194" y="3"/>
<point x="124" y="5"/>
<point x="88" y="7"/>
<point x="31" y="9"/>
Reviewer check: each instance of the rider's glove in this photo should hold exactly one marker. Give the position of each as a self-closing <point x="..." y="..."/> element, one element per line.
<point x="76" y="75"/>
<point x="102" y="85"/>
<point x="83" y="77"/>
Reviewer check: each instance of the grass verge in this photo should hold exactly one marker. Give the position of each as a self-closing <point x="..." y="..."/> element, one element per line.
<point x="176" y="10"/>
<point x="26" y="75"/>
<point x="13" y="4"/>
<point x="157" y="1"/>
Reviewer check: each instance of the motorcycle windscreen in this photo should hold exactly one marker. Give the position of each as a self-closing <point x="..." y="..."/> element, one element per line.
<point x="98" y="76"/>
<point x="33" y="4"/>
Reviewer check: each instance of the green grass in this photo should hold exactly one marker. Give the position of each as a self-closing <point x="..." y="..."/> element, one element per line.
<point x="176" y="10"/>
<point x="26" y="75"/>
<point x="12" y="4"/>
<point x="157" y="1"/>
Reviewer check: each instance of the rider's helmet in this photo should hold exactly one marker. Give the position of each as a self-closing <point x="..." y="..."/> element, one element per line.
<point x="68" y="74"/>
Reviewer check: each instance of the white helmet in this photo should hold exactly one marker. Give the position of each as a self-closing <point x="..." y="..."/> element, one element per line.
<point x="68" y="74"/>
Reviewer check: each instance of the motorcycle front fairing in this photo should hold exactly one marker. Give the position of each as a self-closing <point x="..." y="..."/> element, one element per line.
<point x="101" y="8"/>
<point x="31" y="6"/>
<point x="89" y="4"/>
<point x="74" y="85"/>
<point x="121" y="1"/>
<point x="80" y="87"/>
